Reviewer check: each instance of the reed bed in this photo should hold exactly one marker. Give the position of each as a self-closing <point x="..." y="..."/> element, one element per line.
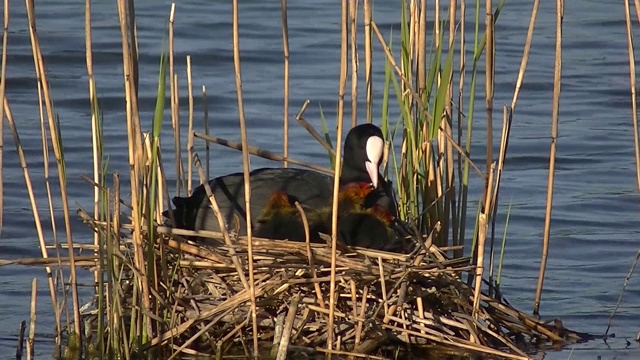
<point x="163" y="293"/>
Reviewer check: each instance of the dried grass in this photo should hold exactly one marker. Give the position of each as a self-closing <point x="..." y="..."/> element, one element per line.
<point x="384" y="301"/>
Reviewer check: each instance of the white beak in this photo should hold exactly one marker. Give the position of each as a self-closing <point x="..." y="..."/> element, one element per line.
<point x="372" y="169"/>
<point x="374" y="148"/>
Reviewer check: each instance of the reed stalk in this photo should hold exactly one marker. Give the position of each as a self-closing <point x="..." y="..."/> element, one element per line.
<point x="153" y="184"/>
<point x="507" y="126"/>
<point x="462" y="58"/>
<point x="265" y="154"/>
<point x="245" y="169"/>
<point x="627" y="279"/>
<point x="96" y="142"/>
<point x="134" y="142"/>
<point x="205" y="110"/>
<point x="464" y="185"/>
<point x="632" y="83"/>
<point x="285" y="101"/>
<point x="353" y="17"/>
<point x="59" y="275"/>
<point x="305" y="124"/>
<point x="3" y="84"/>
<point x="57" y="143"/>
<point x="190" y="134"/>
<point x="20" y="347"/>
<point x="504" y="143"/>
<point x="133" y="37"/>
<point x="488" y="84"/>
<point x="449" y="207"/>
<point x="482" y="234"/>
<point x="367" y="9"/>
<point x="175" y="111"/>
<point x="337" y="168"/>
<point x="525" y="53"/>
<point x="32" y="320"/>
<point x="555" y="108"/>
<point x="36" y="215"/>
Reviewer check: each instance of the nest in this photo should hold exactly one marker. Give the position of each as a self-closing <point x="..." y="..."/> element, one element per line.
<point x="386" y="304"/>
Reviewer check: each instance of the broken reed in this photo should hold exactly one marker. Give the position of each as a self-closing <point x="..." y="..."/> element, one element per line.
<point x="432" y="174"/>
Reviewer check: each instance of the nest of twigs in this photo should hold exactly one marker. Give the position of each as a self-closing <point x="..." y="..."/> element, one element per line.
<point x="386" y="304"/>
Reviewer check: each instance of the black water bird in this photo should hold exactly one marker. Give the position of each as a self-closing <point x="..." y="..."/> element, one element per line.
<point x="310" y="188"/>
<point x="363" y="152"/>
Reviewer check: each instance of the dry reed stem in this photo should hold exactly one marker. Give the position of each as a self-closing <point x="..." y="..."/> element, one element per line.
<point x="175" y="111"/>
<point x="278" y="328"/>
<point x="3" y="84"/>
<point x="305" y="124"/>
<point x="265" y="154"/>
<point x="59" y="276"/>
<point x="504" y="142"/>
<point x="367" y="10"/>
<point x="94" y="120"/>
<point x="20" y="347"/>
<point x="482" y="235"/>
<point x="56" y="142"/>
<point x="353" y="16"/>
<point x="133" y="36"/>
<point x="312" y="266"/>
<point x="190" y="135"/>
<point x="555" y="108"/>
<point x="32" y="320"/>
<point x="525" y="53"/>
<point x="246" y="170"/>
<point x="489" y="77"/>
<point x="162" y="193"/>
<point x="457" y="238"/>
<point x="627" y="279"/>
<point x="285" y="105"/>
<point x="450" y="191"/>
<point x="205" y="110"/>
<point x="204" y="329"/>
<point x="634" y="107"/>
<point x="288" y="326"/>
<point x="336" y="177"/>
<point x="134" y="142"/>
<point x="221" y="224"/>
<point x="632" y="83"/>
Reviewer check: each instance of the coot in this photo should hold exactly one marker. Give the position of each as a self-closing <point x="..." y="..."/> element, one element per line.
<point x="310" y="188"/>
<point x="362" y="156"/>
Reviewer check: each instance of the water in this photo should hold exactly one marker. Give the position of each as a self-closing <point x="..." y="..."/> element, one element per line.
<point x="594" y="234"/>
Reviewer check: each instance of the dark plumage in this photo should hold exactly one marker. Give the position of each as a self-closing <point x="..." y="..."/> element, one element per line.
<point x="365" y="195"/>
<point x="281" y="220"/>
<point x="310" y="188"/>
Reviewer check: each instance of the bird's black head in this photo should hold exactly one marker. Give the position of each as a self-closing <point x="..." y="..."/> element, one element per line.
<point x="363" y="151"/>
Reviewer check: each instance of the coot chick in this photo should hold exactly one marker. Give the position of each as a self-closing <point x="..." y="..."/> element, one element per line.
<point x="281" y="220"/>
<point x="368" y="225"/>
<point x="357" y="225"/>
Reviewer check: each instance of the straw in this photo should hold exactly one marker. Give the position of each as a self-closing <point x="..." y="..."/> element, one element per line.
<point x="555" y="109"/>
